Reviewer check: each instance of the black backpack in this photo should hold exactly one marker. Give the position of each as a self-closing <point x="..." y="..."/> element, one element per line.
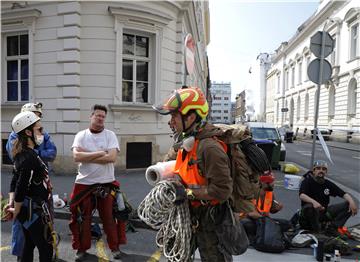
<point x="269" y="237"/>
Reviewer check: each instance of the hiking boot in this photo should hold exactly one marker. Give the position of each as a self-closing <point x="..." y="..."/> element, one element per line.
<point x="80" y="256"/>
<point x="116" y="255"/>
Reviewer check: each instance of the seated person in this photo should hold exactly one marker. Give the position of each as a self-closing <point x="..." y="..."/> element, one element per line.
<point x="265" y="204"/>
<point x="315" y="191"/>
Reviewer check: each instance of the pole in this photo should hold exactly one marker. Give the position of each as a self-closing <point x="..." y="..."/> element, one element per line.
<point x="315" y="131"/>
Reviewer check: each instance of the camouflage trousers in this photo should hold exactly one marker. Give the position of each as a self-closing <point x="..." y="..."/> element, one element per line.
<point x="204" y="235"/>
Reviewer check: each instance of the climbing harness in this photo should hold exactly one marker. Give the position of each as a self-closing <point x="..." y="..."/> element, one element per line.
<point x="159" y="211"/>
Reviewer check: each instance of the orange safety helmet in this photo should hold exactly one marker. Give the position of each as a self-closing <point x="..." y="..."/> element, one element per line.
<point x="183" y="100"/>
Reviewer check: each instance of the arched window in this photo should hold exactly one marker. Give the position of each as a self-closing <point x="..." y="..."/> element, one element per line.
<point x="352" y="97"/>
<point x="331" y="101"/>
<point x="298" y="108"/>
<point x="286" y="113"/>
<point x="306" y="108"/>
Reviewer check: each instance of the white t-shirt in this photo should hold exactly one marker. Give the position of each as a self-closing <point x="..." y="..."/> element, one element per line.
<point x="92" y="173"/>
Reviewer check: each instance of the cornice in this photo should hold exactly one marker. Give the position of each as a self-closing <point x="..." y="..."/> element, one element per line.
<point x="138" y="13"/>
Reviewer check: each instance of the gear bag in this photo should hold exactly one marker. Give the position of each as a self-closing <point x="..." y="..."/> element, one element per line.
<point x="269" y="237"/>
<point x="248" y="162"/>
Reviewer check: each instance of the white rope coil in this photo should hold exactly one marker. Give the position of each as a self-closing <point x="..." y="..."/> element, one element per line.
<point x="159" y="211"/>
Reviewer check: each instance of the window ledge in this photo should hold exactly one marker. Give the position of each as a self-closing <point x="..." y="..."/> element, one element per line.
<point x="353" y="59"/>
<point x="12" y="105"/>
<point x="130" y="107"/>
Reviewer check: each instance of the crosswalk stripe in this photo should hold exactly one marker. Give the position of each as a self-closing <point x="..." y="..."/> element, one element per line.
<point x="100" y="251"/>
<point x="5" y="248"/>
<point x="155" y="257"/>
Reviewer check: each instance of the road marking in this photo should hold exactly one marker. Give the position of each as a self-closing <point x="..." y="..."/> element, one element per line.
<point x="305" y="153"/>
<point x="155" y="257"/>
<point x="100" y="251"/>
<point x="356" y="157"/>
<point x="5" y="248"/>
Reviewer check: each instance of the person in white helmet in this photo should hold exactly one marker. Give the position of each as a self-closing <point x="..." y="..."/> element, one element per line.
<point x="47" y="151"/>
<point x="32" y="205"/>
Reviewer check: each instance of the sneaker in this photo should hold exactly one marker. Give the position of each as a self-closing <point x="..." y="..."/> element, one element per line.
<point x="80" y="256"/>
<point x="116" y="255"/>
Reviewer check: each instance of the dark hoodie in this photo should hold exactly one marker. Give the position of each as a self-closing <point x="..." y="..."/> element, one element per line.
<point x="214" y="163"/>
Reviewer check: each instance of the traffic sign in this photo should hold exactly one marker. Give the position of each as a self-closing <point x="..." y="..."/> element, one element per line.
<point x="315" y="44"/>
<point x="284" y="109"/>
<point x="313" y="71"/>
<point x="189" y="54"/>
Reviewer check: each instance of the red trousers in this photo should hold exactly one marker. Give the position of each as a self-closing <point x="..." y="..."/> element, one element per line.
<point x="81" y="232"/>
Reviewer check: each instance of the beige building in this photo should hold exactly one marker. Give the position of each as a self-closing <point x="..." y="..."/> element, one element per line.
<point x="125" y="55"/>
<point x="287" y="79"/>
<point x="240" y="108"/>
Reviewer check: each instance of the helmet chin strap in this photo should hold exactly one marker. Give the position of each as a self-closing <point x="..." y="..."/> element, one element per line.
<point x="186" y="130"/>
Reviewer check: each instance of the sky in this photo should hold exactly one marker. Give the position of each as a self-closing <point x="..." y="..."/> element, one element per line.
<point x="242" y="29"/>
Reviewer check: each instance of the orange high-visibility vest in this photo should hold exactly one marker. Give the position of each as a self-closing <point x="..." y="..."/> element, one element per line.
<point x="264" y="206"/>
<point x="188" y="170"/>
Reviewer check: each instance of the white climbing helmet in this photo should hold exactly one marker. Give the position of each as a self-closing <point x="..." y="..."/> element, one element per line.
<point x="32" y="107"/>
<point x="23" y="120"/>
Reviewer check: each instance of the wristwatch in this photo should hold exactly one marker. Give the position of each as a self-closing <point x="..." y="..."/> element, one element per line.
<point x="190" y="194"/>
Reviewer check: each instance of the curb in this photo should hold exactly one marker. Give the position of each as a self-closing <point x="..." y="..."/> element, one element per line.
<point x="329" y="145"/>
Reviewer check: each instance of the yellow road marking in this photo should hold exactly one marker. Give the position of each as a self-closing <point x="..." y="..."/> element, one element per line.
<point x="4" y="248"/>
<point x="155" y="257"/>
<point x="100" y="251"/>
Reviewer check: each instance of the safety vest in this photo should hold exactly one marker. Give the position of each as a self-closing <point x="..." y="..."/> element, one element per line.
<point x="187" y="168"/>
<point x="264" y="206"/>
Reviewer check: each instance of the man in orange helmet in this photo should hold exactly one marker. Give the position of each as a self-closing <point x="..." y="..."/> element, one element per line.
<point x="204" y="168"/>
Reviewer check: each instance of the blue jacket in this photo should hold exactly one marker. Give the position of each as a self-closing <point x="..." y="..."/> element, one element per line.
<point x="46" y="151"/>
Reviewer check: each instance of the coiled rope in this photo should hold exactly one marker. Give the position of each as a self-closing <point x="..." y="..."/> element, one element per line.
<point x="159" y="211"/>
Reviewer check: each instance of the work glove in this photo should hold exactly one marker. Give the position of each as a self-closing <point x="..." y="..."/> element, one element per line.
<point x="180" y="193"/>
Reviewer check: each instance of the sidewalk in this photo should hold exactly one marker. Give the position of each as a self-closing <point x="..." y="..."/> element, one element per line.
<point x="335" y="144"/>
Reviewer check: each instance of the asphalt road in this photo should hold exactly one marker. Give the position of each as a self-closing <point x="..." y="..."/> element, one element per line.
<point x="141" y="245"/>
<point x="346" y="167"/>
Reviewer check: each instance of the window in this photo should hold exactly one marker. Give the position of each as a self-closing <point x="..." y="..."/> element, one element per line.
<point x="306" y="113"/>
<point x="354" y="41"/>
<point x="292" y="76"/>
<point x="287" y="80"/>
<point x="298" y="108"/>
<point x="226" y="111"/>
<point x="226" y="98"/>
<point x="17" y="67"/>
<point x="333" y="54"/>
<point x="278" y="83"/>
<point x="307" y="65"/>
<point x="331" y="102"/>
<point x="135" y="70"/>
<point x="352" y="97"/>
<point x="299" y="73"/>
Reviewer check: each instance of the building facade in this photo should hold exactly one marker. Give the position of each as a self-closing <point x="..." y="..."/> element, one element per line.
<point x="221" y="102"/>
<point x="125" y="55"/>
<point x="294" y="93"/>
<point x="240" y="108"/>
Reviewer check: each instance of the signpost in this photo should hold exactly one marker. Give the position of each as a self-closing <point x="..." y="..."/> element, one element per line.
<point x="319" y="71"/>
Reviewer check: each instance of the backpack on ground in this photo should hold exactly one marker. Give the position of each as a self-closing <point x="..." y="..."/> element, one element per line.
<point x="248" y="162"/>
<point x="269" y="237"/>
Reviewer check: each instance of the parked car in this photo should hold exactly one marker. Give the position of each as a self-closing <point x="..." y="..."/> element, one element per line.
<point x="267" y="137"/>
